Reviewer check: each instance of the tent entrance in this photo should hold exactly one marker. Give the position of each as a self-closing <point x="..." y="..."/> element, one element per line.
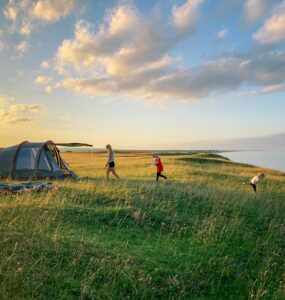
<point x="60" y="165"/>
<point x="33" y="160"/>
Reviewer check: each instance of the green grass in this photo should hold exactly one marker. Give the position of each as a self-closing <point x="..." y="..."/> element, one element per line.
<point x="202" y="235"/>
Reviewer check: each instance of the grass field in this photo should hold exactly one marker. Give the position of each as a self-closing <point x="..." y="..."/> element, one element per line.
<point x="200" y="235"/>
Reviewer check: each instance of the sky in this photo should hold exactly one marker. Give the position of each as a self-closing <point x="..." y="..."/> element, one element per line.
<point x="165" y="74"/>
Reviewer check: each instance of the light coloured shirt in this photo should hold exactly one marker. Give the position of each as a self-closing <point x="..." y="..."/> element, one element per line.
<point x="255" y="179"/>
<point x="112" y="157"/>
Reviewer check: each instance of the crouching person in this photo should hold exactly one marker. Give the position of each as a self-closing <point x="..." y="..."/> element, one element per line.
<point x="253" y="182"/>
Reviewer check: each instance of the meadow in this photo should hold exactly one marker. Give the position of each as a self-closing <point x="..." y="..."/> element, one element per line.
<point x="199" y="235"/>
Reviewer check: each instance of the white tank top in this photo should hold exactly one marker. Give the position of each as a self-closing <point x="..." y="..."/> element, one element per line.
<point x="112" y="157"/>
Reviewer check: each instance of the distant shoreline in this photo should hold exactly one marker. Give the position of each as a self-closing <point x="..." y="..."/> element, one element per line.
<point x="260" y="158"/>
<point x="102" y="150"/>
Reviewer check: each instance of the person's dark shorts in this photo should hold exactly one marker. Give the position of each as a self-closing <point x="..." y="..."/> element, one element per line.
<point x="111" y="164"/>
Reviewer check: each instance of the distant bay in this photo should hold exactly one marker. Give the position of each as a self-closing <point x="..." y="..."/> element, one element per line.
<point x="266" y="159"/>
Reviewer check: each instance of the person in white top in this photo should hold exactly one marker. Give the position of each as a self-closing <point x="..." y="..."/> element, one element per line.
<point x="110" y="165"/>
<point x="255" y="180"/>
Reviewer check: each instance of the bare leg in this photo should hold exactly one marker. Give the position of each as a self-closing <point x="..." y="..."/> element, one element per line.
<point x="115" y="173"/>
<point x="108" y="174"/>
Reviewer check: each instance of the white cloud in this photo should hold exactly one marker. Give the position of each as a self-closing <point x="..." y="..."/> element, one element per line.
<point x="125" y="42"/>
<point x="222" y="34"/>
<point x="26" y="27"/>
<point x="49" y="89"/>
<point x="26" y="15"/>
<point x="18" y="12"/>
<point x="265" y="90"/>
<point x="273" y="30"/>
<point x="256" y="9"/>
<point x="52" y="10"/>
<point x="19" y="113"/>
<point x="45" y="64"/>
<point x="43" y="79"/>
<point x="22" y="47"/>
<point x="132" y="58"/>
<point x="185" y="16"/>
<point x="5" y="99"/>
<point x="11" y="10"/>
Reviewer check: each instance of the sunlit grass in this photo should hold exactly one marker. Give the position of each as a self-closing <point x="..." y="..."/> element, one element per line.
<point x="200" y="235"/>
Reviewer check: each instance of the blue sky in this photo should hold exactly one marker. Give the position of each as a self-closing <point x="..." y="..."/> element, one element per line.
<point x="142" y="74"/>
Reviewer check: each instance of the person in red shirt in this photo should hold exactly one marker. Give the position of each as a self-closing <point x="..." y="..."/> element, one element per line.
<point x="159" y="166"/>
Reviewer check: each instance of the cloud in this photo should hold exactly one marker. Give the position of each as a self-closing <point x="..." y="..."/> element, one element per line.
<point x="214" y="77"/>
<point x="10" y="118"/>
<point x="274" y="88"/>
<point x="18" y="13"/>
<point x="222" y="34"/>
<point x="11" y="10"/>
<point x="124" y="41"/>
<point x="43" y="79"/>
<point x="273" y="30"/>
<point x="185" y="16"/>
<point x="22" y="47"/>
<point x="129" y="54"/>
<point x="52" y="10"/>
<point x="19" y="113"/>
<point x="126" y="50"/>
<point x="5" y="99"/>
<point x="26" y="27"/>
<point x="45" y="64"/>
<point x="2" y="101"/>
<point x="49" y="89"/>
<point x="5" y="116"/>
<point x="254" y="10"/>
<point x="26" y="15"/>
<point x="19" y="120"/>
<point x="21" y="107"/>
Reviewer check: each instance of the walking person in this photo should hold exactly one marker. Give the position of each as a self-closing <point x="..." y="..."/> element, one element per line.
<point x="159" y="166"/>
<point x="110" y="165"/>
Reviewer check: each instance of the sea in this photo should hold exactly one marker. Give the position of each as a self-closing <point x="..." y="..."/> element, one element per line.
<point x="266" y="159"/>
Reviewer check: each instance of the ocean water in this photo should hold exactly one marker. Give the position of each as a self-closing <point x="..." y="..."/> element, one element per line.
<point x="266" y="159"/>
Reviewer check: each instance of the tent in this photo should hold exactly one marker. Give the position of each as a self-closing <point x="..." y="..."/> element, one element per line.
<point x="34" y="161"/>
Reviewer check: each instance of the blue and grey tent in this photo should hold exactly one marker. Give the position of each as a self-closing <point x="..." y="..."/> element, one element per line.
<point x="35" y="161"/>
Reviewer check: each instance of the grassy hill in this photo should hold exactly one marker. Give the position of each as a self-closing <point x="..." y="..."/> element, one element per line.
<point x="200" y="235"/>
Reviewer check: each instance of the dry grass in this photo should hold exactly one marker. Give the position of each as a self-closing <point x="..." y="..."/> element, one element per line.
<point x="201" y="235"/>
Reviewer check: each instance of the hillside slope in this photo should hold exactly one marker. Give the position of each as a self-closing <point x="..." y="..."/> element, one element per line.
<point x="201" y="235"/>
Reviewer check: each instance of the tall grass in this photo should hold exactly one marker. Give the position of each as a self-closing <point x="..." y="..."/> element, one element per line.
<point x="201" y="235"/>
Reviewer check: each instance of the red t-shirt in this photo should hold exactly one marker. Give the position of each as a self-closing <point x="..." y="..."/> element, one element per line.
<point x="159" y="165"/>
